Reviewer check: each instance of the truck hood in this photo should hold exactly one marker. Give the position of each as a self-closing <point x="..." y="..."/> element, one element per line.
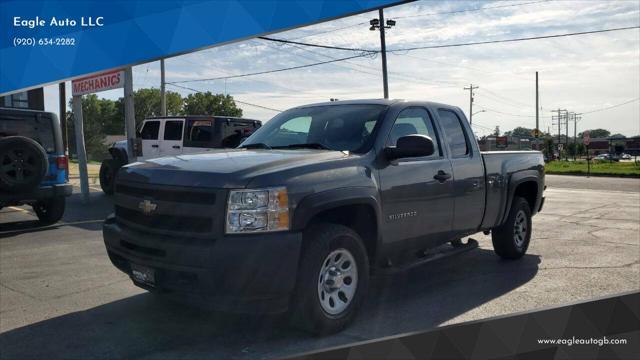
<point x="223" y="168"/>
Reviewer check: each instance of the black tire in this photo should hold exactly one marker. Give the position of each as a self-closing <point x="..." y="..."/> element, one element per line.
<point x="307" y="311"/>
<point x="50" y="211"/>
<point x="23" y="164"/>
<point x="509" y="242"/>
<point x="108" y="171"/>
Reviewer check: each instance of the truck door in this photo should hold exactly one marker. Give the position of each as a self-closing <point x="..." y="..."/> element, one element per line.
<point x="468" y="173"/>
<point x="417" y="196"/>
<point x="149" y="135"/>
<point x="171" y="143"/>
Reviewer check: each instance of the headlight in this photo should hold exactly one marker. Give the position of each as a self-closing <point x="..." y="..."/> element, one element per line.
<point x="257" y="210"/>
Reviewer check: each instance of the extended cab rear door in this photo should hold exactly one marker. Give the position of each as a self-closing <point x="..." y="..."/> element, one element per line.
<point x="468" y="171"/>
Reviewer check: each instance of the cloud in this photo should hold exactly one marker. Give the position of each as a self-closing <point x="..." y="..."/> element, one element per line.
<point x="578" y="73"/>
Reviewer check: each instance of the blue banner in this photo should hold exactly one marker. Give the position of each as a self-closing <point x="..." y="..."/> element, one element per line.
<point x="49" y="41"/>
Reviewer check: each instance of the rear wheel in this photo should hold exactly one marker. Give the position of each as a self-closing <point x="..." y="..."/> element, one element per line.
<point x="332" y="279"/>
<point x="511" y="240"/>
<point x="50" y="211"/>
<point x="108" y="171"/>
<point x="23" y="163"/>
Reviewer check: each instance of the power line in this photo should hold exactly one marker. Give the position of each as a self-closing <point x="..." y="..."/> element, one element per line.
<point x="418" y="15"/>
<point x="284" y="41"/>
<point x="609" y="107"/>
<point x="236" y="100"/>
<point x="462" y="44"/>
<point x="432" y="82"/>
<point x="513" y="40"/>
<point x="272" y="71"/>
<point x="504" y="113"/>
<point x="371" y="52"/>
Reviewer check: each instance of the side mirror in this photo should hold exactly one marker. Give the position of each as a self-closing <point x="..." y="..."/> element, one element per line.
<point x="410" y="146"/>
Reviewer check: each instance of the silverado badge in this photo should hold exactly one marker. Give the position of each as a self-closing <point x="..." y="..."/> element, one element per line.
<point x="147" y="207"/>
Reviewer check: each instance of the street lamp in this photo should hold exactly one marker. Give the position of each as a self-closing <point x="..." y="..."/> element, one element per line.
<point x="478" y="112"/>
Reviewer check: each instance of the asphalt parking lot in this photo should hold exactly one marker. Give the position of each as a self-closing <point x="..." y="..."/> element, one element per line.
<point x="60" y="297"/>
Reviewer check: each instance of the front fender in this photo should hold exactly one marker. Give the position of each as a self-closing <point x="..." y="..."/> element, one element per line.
<point x="316" y="203"/>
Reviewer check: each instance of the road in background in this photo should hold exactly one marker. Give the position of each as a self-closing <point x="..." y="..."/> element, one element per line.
<point x="60" y="297"/>
<point x="593" y="183"/>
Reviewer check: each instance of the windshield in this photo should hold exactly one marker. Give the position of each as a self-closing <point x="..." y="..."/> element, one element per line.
<point x="333" y="127"/>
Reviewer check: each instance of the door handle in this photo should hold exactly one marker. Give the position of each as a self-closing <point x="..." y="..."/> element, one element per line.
<point x="442" y="176"/>
<point x="154" y="146"/>
<point x="176" y="147"/>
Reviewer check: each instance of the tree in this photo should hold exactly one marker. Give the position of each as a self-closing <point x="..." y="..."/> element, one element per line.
<point x="496" y="132"/>
<point x="597" y="133"/>
<point x="618" y="136"/>
<point x="146" y="105"/>
<point x="520" y="131"/>
<point x="95" y="112"/>
<point x="210" y="104"/>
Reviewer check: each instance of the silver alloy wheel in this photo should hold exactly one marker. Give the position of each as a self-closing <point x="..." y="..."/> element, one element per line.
<point x="520" y="229"/>
<point x="337" y="281"/>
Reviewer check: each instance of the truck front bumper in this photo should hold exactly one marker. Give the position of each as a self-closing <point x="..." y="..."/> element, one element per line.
<point x="242" y="273"/>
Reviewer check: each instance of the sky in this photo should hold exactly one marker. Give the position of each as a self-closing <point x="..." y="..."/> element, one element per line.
<point x="584" y="74"/>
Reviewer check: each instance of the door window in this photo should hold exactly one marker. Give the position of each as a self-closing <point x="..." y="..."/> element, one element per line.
<point x="150" y="130"/>
<point x="454" y="134"/>
<point x="414" y="121"/>
<point x="199" y="133"/>
<point x="173" y="130"/>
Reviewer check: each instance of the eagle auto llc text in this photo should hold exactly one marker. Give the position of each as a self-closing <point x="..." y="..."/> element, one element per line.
<point x="88" y="21"/>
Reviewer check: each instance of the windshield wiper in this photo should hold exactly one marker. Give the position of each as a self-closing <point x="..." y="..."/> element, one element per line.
<point x="256" y="146"/>
<point x="304" y="145"/>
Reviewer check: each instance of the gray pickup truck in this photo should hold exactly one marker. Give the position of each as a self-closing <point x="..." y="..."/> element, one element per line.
<point x="316" y="201"/>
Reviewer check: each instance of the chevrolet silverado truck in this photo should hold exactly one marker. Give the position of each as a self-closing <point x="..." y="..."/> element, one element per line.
<point x="320" y="198"/>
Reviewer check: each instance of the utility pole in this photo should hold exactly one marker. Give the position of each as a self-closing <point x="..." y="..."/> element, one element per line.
<point x="576" y="118"/>
<point x="380" y="25"/>
<point x="62" y="93"/>
<point x="163" y="95"/>
<point x="559" y="118"/>
<point x="537" y="131"/>
<point x="470" y="88"/>
<point x="566" y="136"/>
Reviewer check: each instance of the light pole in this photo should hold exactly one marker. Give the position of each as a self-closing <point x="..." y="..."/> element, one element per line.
<point x="380" y="24"/>
<point x="478" y="112"/>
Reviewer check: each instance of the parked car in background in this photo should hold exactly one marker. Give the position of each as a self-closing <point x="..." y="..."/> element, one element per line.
<point x="167" y="136"/>
<point x="33" y="166"/>
<point x="625" y="156"/>
<point x="313" y="203"/>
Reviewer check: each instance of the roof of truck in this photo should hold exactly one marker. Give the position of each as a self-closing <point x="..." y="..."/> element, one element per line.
<point x="387" y="102"/>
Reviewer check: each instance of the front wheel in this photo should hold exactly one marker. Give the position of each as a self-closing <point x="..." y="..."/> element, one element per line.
<point x="511" y="239"/>
<point x="332" y="279"/>
<point x="50" y="211"/>
<point x="108" y="170"/>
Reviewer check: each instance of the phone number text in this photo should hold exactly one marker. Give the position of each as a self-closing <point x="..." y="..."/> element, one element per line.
<point x="31" y="41"/>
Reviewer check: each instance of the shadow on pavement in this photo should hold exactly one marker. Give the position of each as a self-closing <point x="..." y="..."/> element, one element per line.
<point x="145" y="326"/>
<point x="78" y="214"/>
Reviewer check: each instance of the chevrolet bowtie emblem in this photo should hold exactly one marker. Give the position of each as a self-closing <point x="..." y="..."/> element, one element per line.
<point x="147" y="207"/>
